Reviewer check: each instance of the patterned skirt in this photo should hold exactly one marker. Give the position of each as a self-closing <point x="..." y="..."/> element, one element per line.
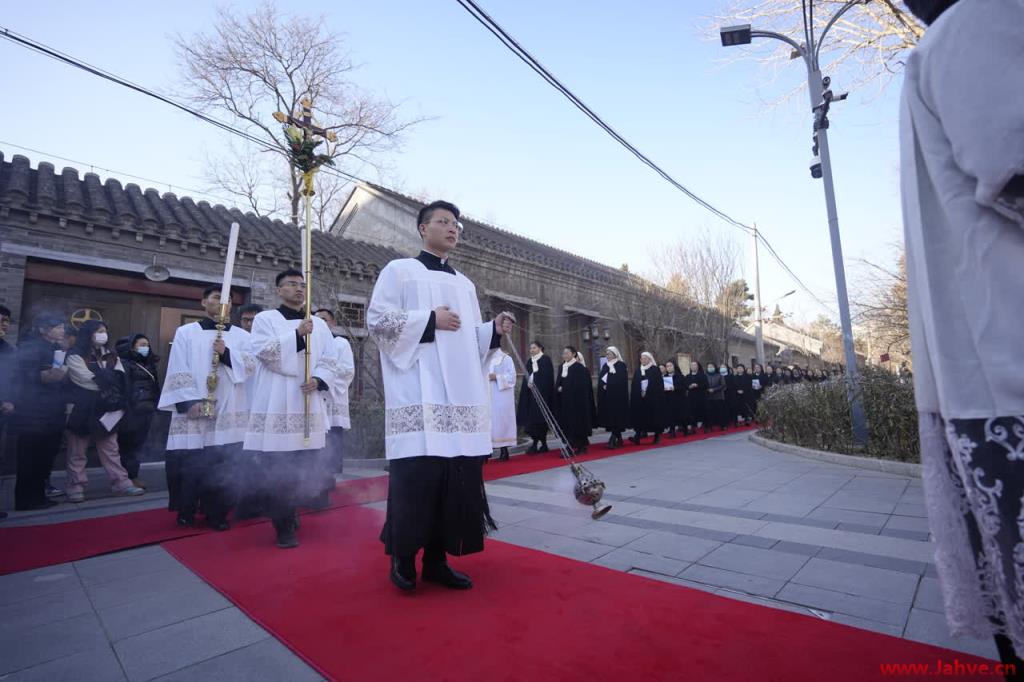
<point x="974" y="491"/>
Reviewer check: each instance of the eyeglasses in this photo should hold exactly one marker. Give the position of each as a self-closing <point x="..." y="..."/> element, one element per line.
<point x="446" y="222"/>
<point x="293" y="285"/>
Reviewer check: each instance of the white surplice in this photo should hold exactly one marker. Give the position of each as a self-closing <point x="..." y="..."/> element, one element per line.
<point x="276" y="419"/>
<point x="435" y="394"/>
<point x="336" y="399"/>
<point x="503" y="405"/>
<point x="187" y="370"/>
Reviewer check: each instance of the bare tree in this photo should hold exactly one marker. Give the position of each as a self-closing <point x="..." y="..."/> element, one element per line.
<point x="704" y="272"/>
<point x="869" y="42"/>
<point x="880" y="307"/>
<point x="248" y="66"/>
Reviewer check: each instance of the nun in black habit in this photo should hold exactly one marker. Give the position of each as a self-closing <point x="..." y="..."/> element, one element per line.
<point x="574" y="401"/>
<point x="696" y="384"/>
<point x="540" y="372"/>
<point x="647" y="400"/>
<point x="613" y="397"/>
<point x="675" y="390"/>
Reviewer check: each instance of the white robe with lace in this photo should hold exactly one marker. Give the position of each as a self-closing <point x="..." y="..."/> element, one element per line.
<point x="276" y="419"/>
<point x="503" y="402"/>
<point x="336" y="399"/>
<point x="187" y="370"/>
<point x="435" y="394"/>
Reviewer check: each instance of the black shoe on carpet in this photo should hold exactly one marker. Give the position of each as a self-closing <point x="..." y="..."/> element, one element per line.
<point x="286" y="537"/>
<point x="443" y="574"/>
<point x="403" y="574"/>
<point x="186" y="521"/>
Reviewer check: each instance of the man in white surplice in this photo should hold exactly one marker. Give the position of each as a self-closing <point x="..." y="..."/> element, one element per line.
<point x="336" y="399"/>
<point x="289" y="472"/>
<point x="502" y="378"/>
<point x="202" y="450"/>
<point x="435" y="351"/>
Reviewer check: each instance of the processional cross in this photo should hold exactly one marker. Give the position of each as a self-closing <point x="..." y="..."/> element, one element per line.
<point x="303" y="136"/>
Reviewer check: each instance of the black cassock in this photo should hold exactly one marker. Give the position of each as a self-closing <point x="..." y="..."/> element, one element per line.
<point x="574" y="404"/>
<point x="613" y="398"/>
<point x="696" y="386"/>
<point x="528" y="413"/>
<point x="647" y="411"/>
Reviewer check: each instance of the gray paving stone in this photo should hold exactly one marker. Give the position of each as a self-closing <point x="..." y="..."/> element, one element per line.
<point x="674" y="546"/>
<point x="48" y="642"/>
<point x="754" y="541"/>
<point x="107" y="595"/>
<point x="37" y="583"/>
<point x="159" y="610"/>
<point x="905" y="534"/>
<point x="914" y="509"/>
<point x="48" y="608"/>
<point x="800" y="521"/>
<point x="97" y="664"/>
<point x="764" y="601"/>
<point x="930" y="628"/>
<point x="850" y="516"/>
<point x="865" y="624"/>
<point x="797" y="548"/>
<point x="623" y="559"/>
<point x="755" y="561"/>
<point x="856" y="502"/>
<point x="838" y="602"/>
<point x="858" y="528"/>
<point x="727" y="497"/>
<point x="929" y="596"/>
<point x="265" y="661"/>
<point x="674" y="581"/>
<point x="551" y="543"/>
<point x="742" y="582"/>
<point x="908" y="523"/>
<point x="876" y="560"/>
<point x="863" y="581"/>
<point x="786" y="503"/>
<point x="128" y="565"/>
<point x="178" y="646"/>
<point x="585" y="528"/>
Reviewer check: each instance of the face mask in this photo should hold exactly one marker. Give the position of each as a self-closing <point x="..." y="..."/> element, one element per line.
<point x="711" y="370"/>
<point x="723" y="371"/>
<point x="99" y="339"/>
<point x="143" y="351"/>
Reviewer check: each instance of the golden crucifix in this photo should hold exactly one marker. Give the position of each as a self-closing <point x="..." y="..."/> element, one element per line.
<point x="303" y="136"/>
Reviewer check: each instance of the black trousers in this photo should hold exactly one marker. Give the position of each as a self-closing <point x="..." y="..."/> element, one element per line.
<point x="172" y="469"/>
<point x="718" y="413"/>
<point x="130" y="443"/>
<point x="36" y="453"/>
<point x="206" y="481"/>
<point x="537" y="432"/>
<point x="437" y="504"/>
<point x="335" y="449"/>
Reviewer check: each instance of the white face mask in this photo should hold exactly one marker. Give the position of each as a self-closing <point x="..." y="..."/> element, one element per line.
<point x="723" y="371"/>
<point x="143" y="351"/>
<point x="99" y="339"/>
<point x="711" y="370"/>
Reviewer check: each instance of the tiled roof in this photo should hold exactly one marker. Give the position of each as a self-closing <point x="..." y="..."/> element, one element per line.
<point x="130" y="208"/>
<point x="491" y="238"/>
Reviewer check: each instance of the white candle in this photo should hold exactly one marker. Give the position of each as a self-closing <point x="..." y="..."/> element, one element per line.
<point x="229" y="265"/>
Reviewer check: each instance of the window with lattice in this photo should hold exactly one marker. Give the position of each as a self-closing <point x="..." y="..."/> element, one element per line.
<point x="352" y="314"/>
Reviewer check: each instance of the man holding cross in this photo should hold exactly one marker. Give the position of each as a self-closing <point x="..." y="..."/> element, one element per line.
<point x="435" y="352"/>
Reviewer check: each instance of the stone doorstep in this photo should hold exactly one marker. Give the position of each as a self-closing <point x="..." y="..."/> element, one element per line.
<point x="870" y="463"/>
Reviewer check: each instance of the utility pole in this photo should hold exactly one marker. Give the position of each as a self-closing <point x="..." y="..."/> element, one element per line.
<point x="758" y="333"/>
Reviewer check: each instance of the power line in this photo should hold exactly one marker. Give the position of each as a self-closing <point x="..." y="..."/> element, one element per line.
<point x="509" y="42"/>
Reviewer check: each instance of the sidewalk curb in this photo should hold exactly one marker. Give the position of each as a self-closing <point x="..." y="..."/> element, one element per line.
<point x="872" y="464"/>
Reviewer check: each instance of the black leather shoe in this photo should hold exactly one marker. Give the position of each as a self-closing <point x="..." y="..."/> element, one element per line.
<point x="443" y="574"/>
<point x="544" y="447"/>
<point x="218" y="524"/>
<point x="186" y="521"/>
<point x="657" y="439"/>
<point x="401" y="576"/>
<point x="286" y="537"/>
<point x="503" y="455"/>
<point x="532" y="450"/>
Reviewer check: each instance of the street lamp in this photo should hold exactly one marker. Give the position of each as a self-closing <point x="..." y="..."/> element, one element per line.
<point x="821" y="167"/>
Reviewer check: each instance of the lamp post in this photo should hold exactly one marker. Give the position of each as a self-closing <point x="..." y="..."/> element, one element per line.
<point x="821" y="167"/>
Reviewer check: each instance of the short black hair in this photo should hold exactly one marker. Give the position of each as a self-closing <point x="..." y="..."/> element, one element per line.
<point x="45" y="321"/>
<point x="209" y="290"/>
<point x="325" y="310"/>
<point x="290" y="272"/>
<point x="571" y="349"/>
<point x="250" y="308"/>
<point x="427" y="212"/>
<point x="5" y="311"/>
<point x="538" y="344"/>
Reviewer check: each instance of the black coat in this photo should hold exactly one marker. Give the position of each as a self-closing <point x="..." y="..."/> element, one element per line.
<point x="716" y="387"/>
<point x="39" y="407"/>
<point x="574" y="402"/>
<point x="613" y="398"/>
<point x="647" y="411"/>
<point x="528" y="414"/>
<point x="696" y="396"/>
<point x="142" y="390"/>
<point x="674" y="404"/>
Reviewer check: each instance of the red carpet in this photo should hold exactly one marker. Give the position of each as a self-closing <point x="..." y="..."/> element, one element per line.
<point x="27" y="547"/>
<point x="531" y="616"/>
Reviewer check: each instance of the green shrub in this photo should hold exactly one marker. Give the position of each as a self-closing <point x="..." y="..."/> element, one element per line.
<point x="817" y="415"/>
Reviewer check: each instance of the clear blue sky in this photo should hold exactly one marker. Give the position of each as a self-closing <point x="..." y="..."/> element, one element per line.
<point x="503" y="144"/>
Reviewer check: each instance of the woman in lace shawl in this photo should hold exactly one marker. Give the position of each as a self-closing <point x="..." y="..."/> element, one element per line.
<point x="962" y="166"/>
